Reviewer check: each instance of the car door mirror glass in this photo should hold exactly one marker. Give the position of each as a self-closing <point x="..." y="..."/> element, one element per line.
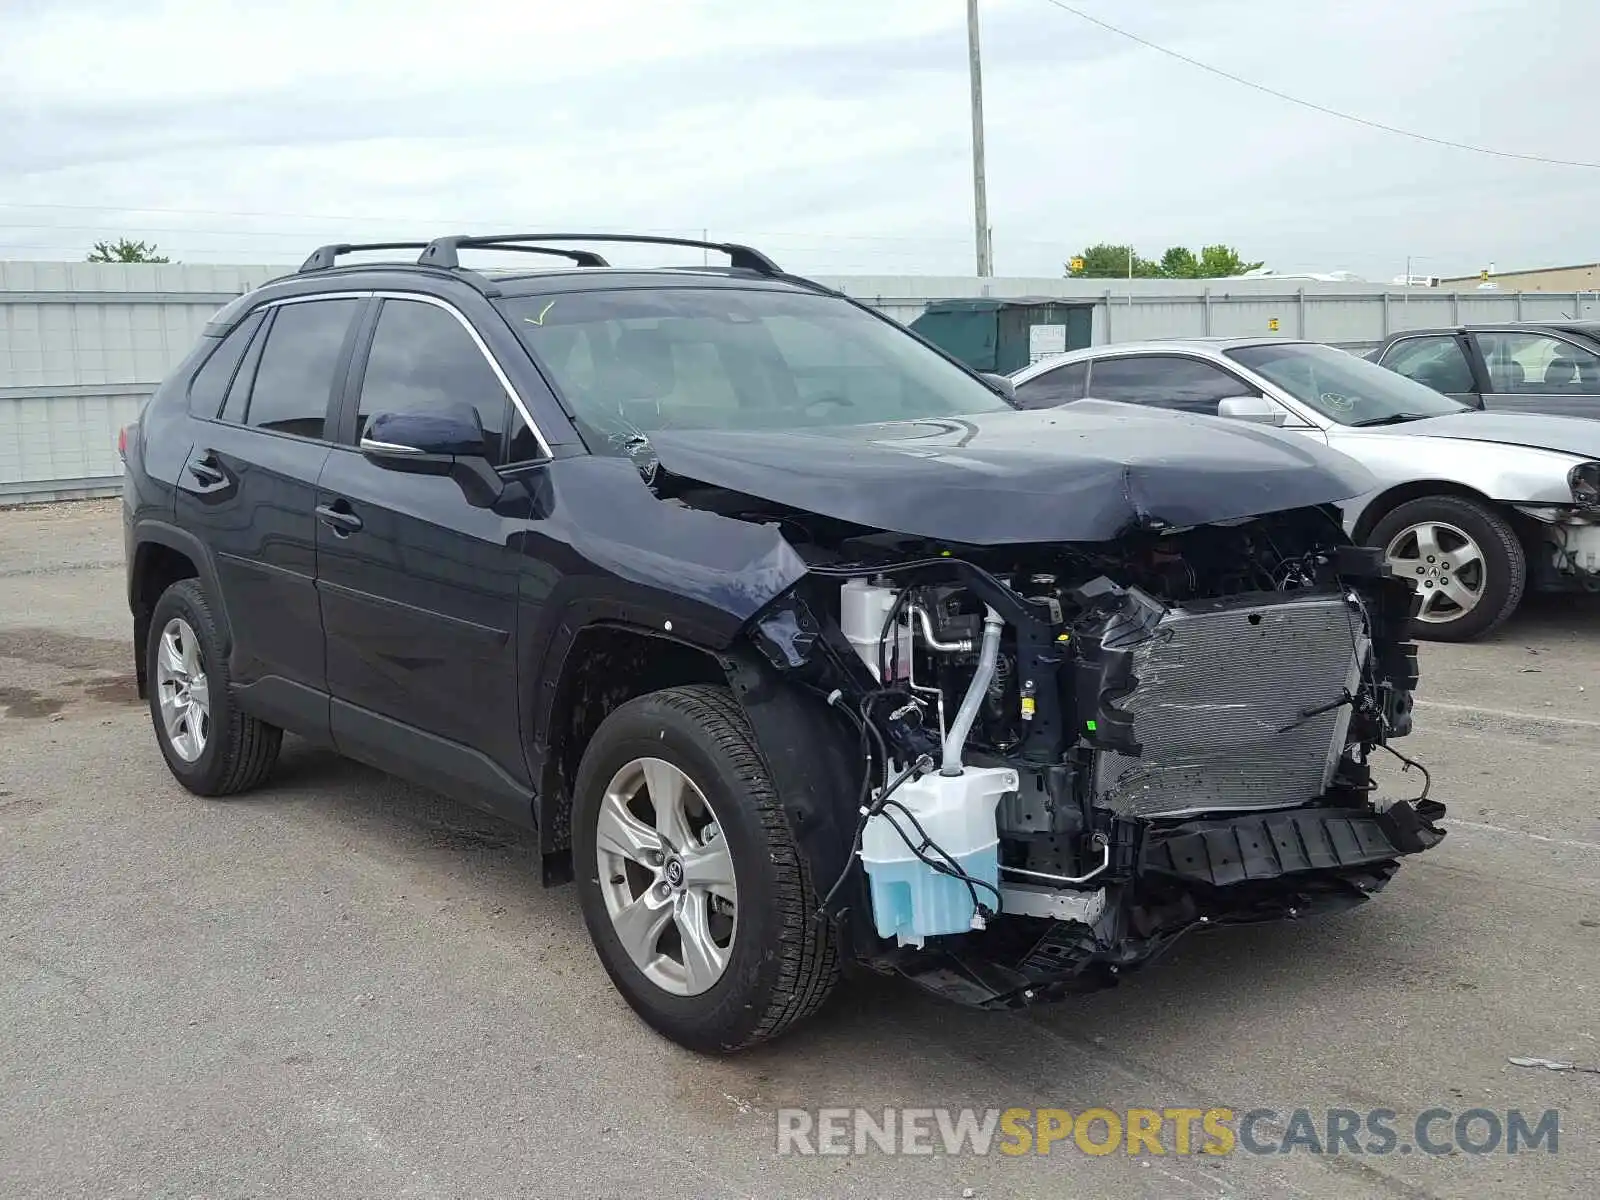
<point x="396" y="438"/>
<point x="1258" y="410"/>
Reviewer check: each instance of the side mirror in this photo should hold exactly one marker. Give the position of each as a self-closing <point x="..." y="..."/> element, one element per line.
<point x="449" y="442"/>
<point x="402" y="439"/>
<point x="1258" y="410"/>
<point x="1000" y="383"/>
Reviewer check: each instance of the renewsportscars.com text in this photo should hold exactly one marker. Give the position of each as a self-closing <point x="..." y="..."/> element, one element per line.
<point x="1163" y="1131"/>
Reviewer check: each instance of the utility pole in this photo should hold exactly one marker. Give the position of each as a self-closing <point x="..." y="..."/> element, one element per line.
<point x="980" y="201"/>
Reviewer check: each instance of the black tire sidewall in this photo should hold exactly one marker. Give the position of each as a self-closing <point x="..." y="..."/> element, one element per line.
<point x="179" y="600"/>
<point x="1489" y="530"/>
<point x="723" y="1016"/>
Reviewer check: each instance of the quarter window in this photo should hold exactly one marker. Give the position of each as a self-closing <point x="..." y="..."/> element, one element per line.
<point x="1165" y="381"/>
<point x="1436" y="361"/>
<point x="295" y="377"/>
<point x="210" y="383"/>
<point x="423" y="360"/>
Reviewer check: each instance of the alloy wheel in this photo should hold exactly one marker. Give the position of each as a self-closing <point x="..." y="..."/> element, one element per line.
<point x="666" y="876"/>
<point x="1444" y="564"/>
<point x="183" y="691"/>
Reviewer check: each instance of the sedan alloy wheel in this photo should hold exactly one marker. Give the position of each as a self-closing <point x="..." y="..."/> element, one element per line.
<point x="1445" y="565"/>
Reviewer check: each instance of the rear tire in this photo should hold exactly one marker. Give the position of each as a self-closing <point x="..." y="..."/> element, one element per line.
<point x="1428" y="540"/>
<point x="778" y="964"/>
<point x="211" y="747"/>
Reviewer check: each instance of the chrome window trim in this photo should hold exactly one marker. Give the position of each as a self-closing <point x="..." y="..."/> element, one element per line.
<point x="461" y="319"/>
<point x="488" y="355"/>
<point x="367" y="443"/>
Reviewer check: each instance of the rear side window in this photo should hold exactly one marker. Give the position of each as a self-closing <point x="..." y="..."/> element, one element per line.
<point x="1185" y="384"/>
<point x="1530" y="362"/>
<point x="423" y="360"/>
<point x="210" y="382"/>
<point x="295" y="377"/>
<point x="1060" y="386"/>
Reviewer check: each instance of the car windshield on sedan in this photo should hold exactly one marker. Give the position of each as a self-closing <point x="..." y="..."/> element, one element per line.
<point x="1342" y="387"/>
<point x="632" y="362"/>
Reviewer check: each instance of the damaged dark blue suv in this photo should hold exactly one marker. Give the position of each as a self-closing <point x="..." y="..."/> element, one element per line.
<point x="794" y="642"/>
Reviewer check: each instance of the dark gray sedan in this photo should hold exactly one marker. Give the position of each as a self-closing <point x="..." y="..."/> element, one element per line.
<point x="1544" y="367"/>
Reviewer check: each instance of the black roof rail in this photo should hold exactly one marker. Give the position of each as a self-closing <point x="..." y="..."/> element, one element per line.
<point x="441" y="252"/>
<point x="580" y="258"/>
<point x="323" y="257"/>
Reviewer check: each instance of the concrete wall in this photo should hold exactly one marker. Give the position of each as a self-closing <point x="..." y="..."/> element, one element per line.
<point x="82" y="345"/>
<point x="1130" y="310"/>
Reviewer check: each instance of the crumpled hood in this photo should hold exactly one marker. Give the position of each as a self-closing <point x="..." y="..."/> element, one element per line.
<point x="1084" y="473"/>
<point x="1568" y="435"/>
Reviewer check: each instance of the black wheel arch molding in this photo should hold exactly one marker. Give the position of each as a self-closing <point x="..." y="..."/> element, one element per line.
<point x="147" y="532"/>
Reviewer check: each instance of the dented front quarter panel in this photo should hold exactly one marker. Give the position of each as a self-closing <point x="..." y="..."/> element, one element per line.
<point x="600" y="547"/>
<point x="600" y="540"/>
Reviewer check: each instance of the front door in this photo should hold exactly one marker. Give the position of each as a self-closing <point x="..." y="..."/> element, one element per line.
<point x="248" y="490"/>
<point x="418" y="585"/>
<point x="1436" y="360"/>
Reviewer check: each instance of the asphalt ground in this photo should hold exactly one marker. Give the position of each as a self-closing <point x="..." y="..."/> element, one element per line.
<point x="345" y="986"/>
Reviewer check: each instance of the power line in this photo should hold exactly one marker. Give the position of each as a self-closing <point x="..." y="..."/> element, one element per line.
<point x="1312" y="105"/>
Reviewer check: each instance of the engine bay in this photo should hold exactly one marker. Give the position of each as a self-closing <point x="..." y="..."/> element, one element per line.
<point x="1032" y="719"/>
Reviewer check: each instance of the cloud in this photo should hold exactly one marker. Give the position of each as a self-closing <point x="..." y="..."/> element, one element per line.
<point x="834" y="133"/>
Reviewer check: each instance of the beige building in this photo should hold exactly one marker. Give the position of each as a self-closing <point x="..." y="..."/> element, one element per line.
<point x="1585" y="277"/>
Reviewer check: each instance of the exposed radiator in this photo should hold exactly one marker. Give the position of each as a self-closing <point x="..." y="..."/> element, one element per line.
<point x="1217" y="685"/>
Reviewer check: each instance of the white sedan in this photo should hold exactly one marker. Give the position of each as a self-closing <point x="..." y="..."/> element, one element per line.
<point x="1473" y="507"/>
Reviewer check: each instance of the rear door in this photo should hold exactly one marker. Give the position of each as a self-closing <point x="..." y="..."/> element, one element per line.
<point x="419" y="585"/>
<point x="1441" y="361"/>
<point x="1539" y="371"/>
<point x="248" y="490"/>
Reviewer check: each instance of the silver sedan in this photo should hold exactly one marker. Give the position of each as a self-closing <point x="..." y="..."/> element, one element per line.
<point x="1473" y="507"/>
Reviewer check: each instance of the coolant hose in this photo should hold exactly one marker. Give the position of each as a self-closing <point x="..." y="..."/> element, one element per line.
<point x="988" y="655"/>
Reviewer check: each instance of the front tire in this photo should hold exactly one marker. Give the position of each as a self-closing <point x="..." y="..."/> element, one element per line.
<point x="211" y="747"/>
<point x="698" y="900"/>
<point x="1464" y="559"/>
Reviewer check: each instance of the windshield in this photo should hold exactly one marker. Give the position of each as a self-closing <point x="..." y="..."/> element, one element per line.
<point x="631" y="362"/>
<point x="1342" y="387"/>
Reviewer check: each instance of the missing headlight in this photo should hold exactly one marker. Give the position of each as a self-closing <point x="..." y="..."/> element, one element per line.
<point x="1584" y="480"/>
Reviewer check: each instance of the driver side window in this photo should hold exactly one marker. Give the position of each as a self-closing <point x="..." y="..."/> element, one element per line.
<point x="1435" y="361"/>
<point x="1165" y="381"/>
<point x="422" y="360"/>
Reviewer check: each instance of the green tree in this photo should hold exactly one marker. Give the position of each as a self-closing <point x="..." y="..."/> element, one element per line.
<point x="1105" y="261"/>
<point x="1179" y="262"/>
<point x="1217" y="261"/>
<point x="126" y="250"/>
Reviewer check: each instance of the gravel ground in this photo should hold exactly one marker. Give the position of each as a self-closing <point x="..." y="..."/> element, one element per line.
<point x="344" y="986"/>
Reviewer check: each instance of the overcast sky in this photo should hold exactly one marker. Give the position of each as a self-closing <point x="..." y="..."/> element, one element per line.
<point x="835" y="134"/>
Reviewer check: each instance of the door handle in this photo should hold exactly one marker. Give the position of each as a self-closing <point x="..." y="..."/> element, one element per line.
<point x="207" y="470"/>
<point x="338" y="517"/>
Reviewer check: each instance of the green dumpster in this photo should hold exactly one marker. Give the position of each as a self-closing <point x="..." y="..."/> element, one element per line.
<point x="1002" y="335"/>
